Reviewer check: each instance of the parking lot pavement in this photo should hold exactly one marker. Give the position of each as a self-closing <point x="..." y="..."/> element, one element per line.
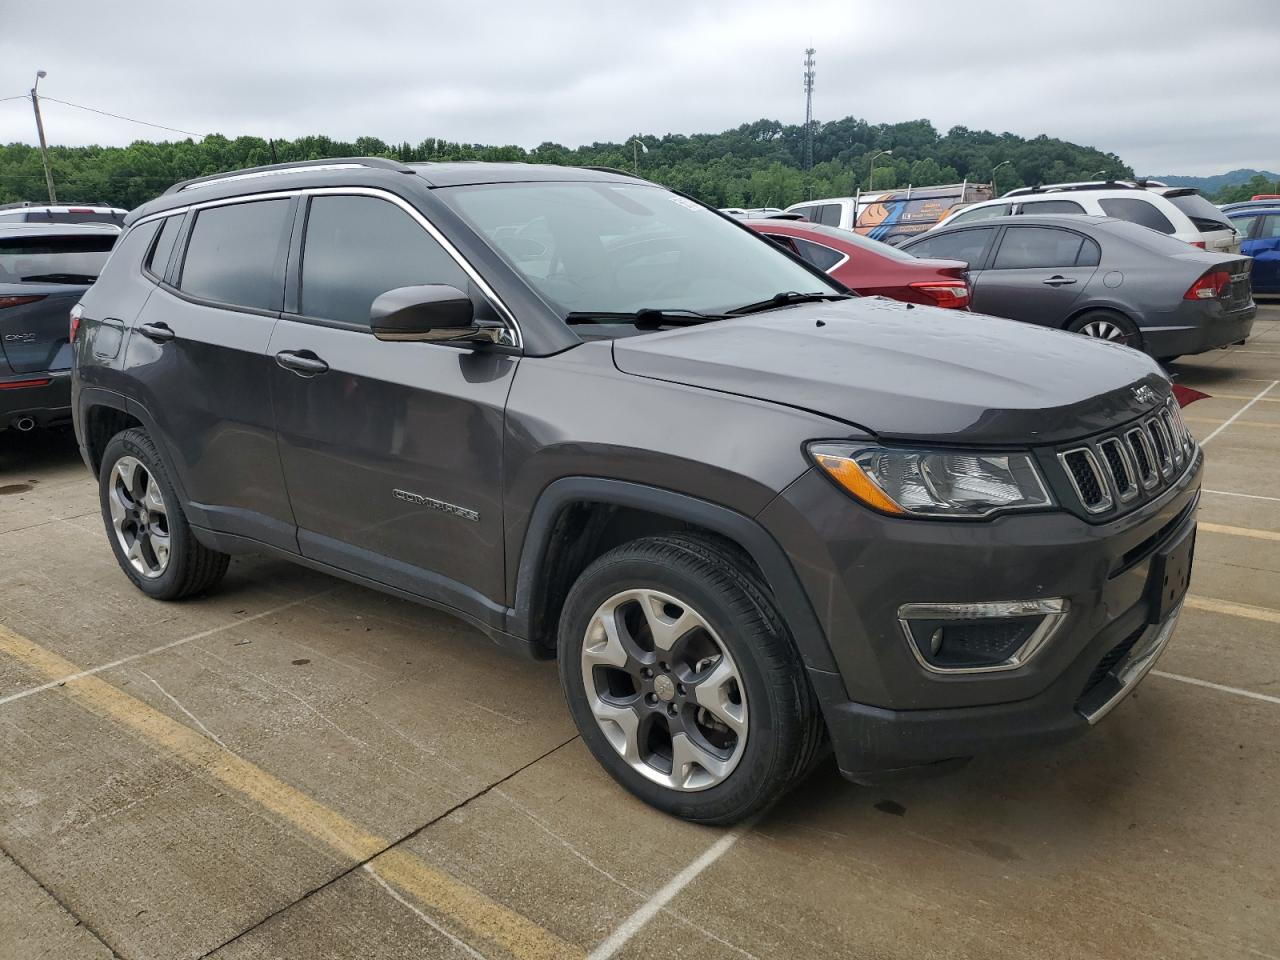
<point x="296" y="767"/>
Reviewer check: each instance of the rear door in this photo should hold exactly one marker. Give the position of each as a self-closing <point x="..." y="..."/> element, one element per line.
<point x="393" y="451"/>
<point x="1264" y="247"/>
<point x="1036" y="275"/>
<point x="41" y="278"/>
<point x="198" y="354"/>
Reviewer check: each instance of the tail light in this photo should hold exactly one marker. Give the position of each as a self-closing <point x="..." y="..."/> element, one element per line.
<point x="76" y="312"/>
<point x="944" y="293"/>
<point x="1197" y="243"/>
<point x="1209" y="287"/>
<point x="17" y="301"/>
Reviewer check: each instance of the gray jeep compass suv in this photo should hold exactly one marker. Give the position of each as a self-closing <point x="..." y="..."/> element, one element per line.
<point x="749" y="513"/>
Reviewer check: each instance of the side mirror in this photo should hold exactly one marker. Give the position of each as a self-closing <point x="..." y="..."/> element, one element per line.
<point x="432" y="313"/>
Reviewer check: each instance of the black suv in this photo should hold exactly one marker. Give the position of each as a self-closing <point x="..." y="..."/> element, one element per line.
<point x="749" y="513"/>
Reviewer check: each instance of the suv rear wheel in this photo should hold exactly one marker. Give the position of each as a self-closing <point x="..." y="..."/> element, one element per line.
<point x="683" y="681"/>
<point x="146" y="526"/>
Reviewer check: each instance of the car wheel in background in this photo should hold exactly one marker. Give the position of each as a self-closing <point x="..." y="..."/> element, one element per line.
<point x="146" y="526"/>
<point x="683" y="680"/>
<point x="1105" y="325"/>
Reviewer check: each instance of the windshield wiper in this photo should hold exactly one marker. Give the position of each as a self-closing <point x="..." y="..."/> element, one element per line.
<point x="786" y="299"/>
<point x="59" y="278"/>
<point x="646" y="318"/>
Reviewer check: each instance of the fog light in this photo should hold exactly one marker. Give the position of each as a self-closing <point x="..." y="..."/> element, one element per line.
<point x="979" y="637"/>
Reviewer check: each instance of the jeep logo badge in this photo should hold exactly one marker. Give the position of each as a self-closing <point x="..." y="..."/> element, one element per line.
<point x="1144" y="394"/>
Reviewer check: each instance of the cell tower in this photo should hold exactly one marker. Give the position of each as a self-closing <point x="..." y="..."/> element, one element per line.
<point x="808" y="107"/>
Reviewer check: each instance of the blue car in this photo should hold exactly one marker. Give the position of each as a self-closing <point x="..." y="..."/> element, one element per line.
<point x="1259" y="229"/>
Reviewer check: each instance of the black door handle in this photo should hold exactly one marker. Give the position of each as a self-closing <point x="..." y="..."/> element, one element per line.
<point x="1058" y="281"/>
<point x="302" y="362"/>
<point x="159" y="332"/>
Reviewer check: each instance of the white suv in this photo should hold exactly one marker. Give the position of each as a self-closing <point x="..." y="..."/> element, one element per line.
<point x="1177" y="211"/>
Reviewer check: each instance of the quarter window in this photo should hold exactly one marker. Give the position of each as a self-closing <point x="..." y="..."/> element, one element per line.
<point x="1136" y="211"/>
<point x="159" y="259"/>
<point x="966" y="245"/>
<point x="824" y="258"/>
<point x="234" y="254"/>
<point x="1024" y="247"/>
<point x="358" y="248"/>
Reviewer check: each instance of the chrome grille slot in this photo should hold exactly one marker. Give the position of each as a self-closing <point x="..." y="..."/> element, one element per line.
<point x="1187" y="439"/>
<point x="1122" y="474"/>
<point x="1176" y="445"/>
<point x="1163" y="444"/>
<point x="1086" y="479"/>
<point x="1144" y="457"/>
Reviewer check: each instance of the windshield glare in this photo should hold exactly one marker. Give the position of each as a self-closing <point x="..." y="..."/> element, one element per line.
<point x="620" y="247"/>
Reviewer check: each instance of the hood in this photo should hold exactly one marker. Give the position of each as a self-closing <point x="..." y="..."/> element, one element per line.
<point x="913" y="374"/>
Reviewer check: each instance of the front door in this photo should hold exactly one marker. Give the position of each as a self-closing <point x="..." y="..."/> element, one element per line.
<point x="1036" y="275"/>
<point x="1264" y="247"/>
<point x="392" y="452"/>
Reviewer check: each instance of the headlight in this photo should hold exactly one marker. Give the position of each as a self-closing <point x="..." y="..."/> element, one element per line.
<point x="933" y="483"/>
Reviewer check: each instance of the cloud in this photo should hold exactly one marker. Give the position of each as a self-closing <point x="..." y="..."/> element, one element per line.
<point x="1160" y="89"/>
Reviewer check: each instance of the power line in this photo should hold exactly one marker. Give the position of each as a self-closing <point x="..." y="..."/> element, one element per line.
<point x="117" y="116"/>
<point x="21" y="96"/>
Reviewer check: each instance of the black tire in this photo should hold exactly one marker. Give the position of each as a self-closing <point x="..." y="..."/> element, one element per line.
<point x="190" y="567"/>
<point x="784" y="730"/>
<point x="1105" y="320"/>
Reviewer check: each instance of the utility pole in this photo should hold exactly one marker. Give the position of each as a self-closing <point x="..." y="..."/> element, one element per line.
<point x="808" y="107"/>
<point x="44" y="147"/>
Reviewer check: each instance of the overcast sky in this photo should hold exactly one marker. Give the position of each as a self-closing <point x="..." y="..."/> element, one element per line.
<point x="1166" y="87"/>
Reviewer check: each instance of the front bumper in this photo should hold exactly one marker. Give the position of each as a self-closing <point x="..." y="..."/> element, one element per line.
<point x="884" y="711"/>
<point x="47" y="405"/>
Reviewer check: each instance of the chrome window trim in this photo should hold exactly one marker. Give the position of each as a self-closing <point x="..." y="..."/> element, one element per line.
<point x="1134" y="482"/>
<point x="233" y="177"/>
<point x="507" y="315"/>
<point x="1107" y="503"/>
<point x="1053" y="610"/>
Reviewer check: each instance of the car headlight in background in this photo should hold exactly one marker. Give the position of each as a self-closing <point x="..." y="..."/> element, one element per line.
<point x="933" y="483"/>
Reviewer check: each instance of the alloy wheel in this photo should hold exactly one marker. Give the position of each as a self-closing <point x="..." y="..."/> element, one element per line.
<point x="664" y="690"/>
<point x="139" y="517"/>
<point x="1105" y="330"/>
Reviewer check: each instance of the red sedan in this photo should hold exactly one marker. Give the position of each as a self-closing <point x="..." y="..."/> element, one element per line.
<point x="870" y="267"/>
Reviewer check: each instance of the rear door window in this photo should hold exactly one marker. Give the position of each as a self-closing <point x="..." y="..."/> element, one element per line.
<point x="829" y="214"/>
<point x="967" y="245"/>
<point x="1270" y="227"/>
<point x="1244" y="225"/>
<point x="1024" y="247"/>
<point x="1032" y="208"/>
<point x="824" y="258"/>
<point x="1141" y="212"/>
<point x="358" y="248"/>
<point x="235" y="254"/>
<point x="70" y="259"/>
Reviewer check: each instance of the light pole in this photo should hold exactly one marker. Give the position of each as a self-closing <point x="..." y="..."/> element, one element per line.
<point x="1002" y="163"/>
<point x="636" y="146"/>
<point x="1101" y="174"/>
<point x="871" y="172"/>
<point x="44" y="147"/>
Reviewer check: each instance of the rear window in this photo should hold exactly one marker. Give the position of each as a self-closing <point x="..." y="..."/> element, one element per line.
<point x="234" y="255"/>
<point x="53" y="259"/>
<point x="89" y="216"/>
<point x="981" y="213"/>
<point x="1033" y="208"/>
<point x="1202" y="214"/>
<point x="1141" y="212"/>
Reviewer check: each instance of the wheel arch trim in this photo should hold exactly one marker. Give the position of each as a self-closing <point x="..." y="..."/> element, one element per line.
<point x="788" y="592"/>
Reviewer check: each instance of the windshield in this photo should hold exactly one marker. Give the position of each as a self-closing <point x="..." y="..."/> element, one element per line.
<point x="622" y="247"/>
<point x="1203" y="215"/>
<point x="53" y="259"/>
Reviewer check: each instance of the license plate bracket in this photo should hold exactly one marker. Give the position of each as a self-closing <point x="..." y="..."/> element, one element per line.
<point x="1170" y="576"/>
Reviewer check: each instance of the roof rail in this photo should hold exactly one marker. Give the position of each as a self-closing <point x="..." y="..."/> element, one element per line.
<point x="1070" y="187"/>
<point x="276" y="169"/>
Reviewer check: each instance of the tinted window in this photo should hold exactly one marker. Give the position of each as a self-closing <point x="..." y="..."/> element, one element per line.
<point x="806" y="212"/>
<point x="966" y="245"/>
<point x="981" y="213"/>
<point x="159" y="258"/>
<point x="829" y="214"/>
<point x="1243" y="225"/>
<point x="1032" y="207"/>
<point x="784" y="242"/>
<point x="1202" y="214"/>
<point x="75" y="259"/>
<point x="1141" y="212"/>
<point x="824" y="258"/>
<point x="358" y="248"/>
<point x="1037" y="247"/>
<point x="234" y="254"/>
<point x="1270" y="227"/>
<point x="1090" y="254"/>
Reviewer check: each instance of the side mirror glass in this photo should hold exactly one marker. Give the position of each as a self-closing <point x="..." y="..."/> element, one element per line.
<point x="431" y="313"/>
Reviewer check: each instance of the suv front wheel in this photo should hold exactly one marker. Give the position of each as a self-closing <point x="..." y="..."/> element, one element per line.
<point x="683" y="680"/>
<point x="146" y="526"/>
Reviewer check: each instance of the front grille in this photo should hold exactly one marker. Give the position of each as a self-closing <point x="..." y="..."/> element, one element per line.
<point x="1115" y="469"/>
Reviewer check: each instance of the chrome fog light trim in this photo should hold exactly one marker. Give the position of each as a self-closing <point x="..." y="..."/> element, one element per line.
<point x="1052" y="610"/>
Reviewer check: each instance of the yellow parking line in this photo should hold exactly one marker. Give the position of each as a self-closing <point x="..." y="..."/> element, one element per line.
<point x="1239" y="531"/>
<point x="443" y="895"/>
<point x="1246" y="610"/>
